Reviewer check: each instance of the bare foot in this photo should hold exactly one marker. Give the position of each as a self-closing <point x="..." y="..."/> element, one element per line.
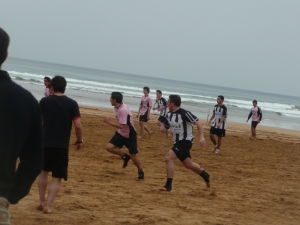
<point x="47" y="210"/>
<point x="41" y="205"/>
<point x="251" y="138"/>
<point x="164" y="189"/>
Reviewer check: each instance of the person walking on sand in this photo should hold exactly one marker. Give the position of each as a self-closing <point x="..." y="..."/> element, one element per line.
<point x="126" y="134"/>
<point x="180" y="122"/>
<point x="59" y="112"/>
<point x="144" y="111"/>
<point x="256" y="115"/>
<point x="21" y="137"/>
<point x="162" y="106"/>
<point x="218" y="127"/>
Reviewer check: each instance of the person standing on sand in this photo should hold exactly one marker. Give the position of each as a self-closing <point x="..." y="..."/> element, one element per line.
<point x="21" y="136"/>
<point x="126" y="135"/>
<point x="218" y="127"/>
<point x="47" y="81"/>
<point x="144" y="112"/>
<point x="59" y="112"/>
<point x="162" y="106"/>
<point x="180" y="122"/>
<point x="256" y="115"/>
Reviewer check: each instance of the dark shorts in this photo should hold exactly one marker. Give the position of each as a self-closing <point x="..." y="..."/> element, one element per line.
<point x="218" y="132"/>
<point x="144" y="117"/>
<point x="182" y="149"/>
<point x="56" y="160"/>
<point x="254" y="124"/>
<point x="130" y="143"/>
<point x="161" y="119"/>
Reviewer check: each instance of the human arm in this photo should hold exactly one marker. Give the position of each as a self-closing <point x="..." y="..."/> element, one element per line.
<point x="78" y="130"/>
<point x="221" y="121"/>
<point x="202" y="141"/>
<point x="139" y="110"/>
<point x="105" y="119"/>
<point x="249" y="116"/>
<point x="260" y="114"/>
<point x="211" y="118"/>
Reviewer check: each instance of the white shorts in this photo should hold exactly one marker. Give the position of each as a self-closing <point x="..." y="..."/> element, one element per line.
<point x="4" y="213"/>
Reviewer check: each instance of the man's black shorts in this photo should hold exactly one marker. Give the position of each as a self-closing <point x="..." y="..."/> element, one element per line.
<point x="182" y="149"/>
<point x="56" y="160"/>
<point x="144" y="117"/>
<point x="161" y="119"/>
<point x="254" y="124"/>
<point x="218" y="132"/>
<point x="119" y="141"/>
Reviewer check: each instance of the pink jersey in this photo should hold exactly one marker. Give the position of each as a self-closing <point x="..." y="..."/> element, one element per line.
<point x="254" y="111"/>
<point x="47" y="92"/>
<point x="146" y="102"/>
<point x="124" y="117"/>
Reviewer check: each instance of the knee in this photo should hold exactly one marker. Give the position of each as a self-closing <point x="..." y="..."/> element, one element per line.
<point x="211" y="135"/>
<point x="109" y="148"/>
<point x="132" y="157"/>
<point x="168" y="159"/>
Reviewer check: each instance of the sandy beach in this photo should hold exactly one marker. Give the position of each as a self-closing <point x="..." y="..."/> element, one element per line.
<point x="252" y="182"/>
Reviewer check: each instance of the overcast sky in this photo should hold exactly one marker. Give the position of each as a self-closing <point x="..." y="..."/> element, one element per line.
<point x="247" y="44"/>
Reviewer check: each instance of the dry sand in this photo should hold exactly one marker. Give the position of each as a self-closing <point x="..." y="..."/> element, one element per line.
<point x="252" y="182"/>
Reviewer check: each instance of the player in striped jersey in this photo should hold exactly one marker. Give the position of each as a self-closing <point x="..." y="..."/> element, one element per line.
<point x="162" y="106"/>
<point x="181" y="122"/>
<point x="218" y="126"/>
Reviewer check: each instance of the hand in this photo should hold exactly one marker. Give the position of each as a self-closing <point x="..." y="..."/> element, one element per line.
<point x="258" y="121"/>
<point x="78" y="145"/>
<point x="105" y="119"/>
<point x="218" y="126"/>
<point x="148" y="117"/>
<point x="202" y="142"/>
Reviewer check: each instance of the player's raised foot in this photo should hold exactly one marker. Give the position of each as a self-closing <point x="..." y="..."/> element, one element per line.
<point x="125" y="158"/>
<point x="214" y="149"/>
<point x="165" y="188"/>
<point x="141" y="175"/>
<point x="205" y="177"/>
<point x="47" y="210"/>
<point x="217" y="151"/>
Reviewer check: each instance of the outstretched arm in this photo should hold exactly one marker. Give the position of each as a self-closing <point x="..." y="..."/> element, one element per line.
<point x="105" y="119"/>
<point x="202" y="141"/>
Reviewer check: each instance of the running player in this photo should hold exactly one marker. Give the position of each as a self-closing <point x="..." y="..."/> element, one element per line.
<point x="180" y="122"/>
<point x="162" y="106"/>
<point x="126" y="135"/>
<point x="218" y="127"/>
<point x="144" y="111"/>
<point x="256" y="115"/>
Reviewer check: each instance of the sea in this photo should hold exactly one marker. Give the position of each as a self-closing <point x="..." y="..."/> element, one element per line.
<point x="92" y="87"/>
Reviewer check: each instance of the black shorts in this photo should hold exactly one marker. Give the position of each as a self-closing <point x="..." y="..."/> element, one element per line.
<point x="218" y="132"/>
<point x="144" y="117"/>
<point x="254" y="124"/>
<point x="130" y="143"/>
<point x="56" y="160"/>
<point x="182" y="149"/>
<point x="161" y="119"/>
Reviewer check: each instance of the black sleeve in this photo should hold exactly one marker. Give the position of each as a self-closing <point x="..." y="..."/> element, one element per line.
<point x="189" y="117"/>
<point x="166" y="123"/>
<point x="164" y="102"/>
<point x="250" y="114"/>
<point x="260" y="113"/>
<point x="31" y="159"/>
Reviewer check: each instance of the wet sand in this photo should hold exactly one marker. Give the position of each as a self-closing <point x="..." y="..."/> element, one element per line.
<point x="252" y="181"/>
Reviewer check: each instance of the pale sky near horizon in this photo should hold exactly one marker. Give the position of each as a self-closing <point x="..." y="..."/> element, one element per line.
<point x="249" y="44"/>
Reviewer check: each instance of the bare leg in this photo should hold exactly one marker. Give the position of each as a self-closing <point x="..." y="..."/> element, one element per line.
<point x="142" y="128"/>
<point x="212" y="138"/>
<point x="113" y="149"/>
<point x="53" y="191"/>
<point x="147" y="129"/>
<point x="42" y="185"/>
<point x="136" y="161"/>
<point x="170" y="157"/>
<point x="189" y="164"/>
<point x="219" y="142"/>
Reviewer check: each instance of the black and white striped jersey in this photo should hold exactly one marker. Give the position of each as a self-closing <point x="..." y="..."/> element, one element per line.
<point x="220" y="112"/>
<point x="180" y="123"/>
<point x="161" y="103"/>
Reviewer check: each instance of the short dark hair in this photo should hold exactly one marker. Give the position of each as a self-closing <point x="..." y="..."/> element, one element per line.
<point x="47" y="78"/>
<point x="175" y="99"/>
<point x="146" y="88"/>
<point x="117" y="96"/>
<point x="254" y="101"/>
<point x="159" y="91"/>
<point x="59" y="84"/>
<point x="4" y="43"/>
<point x="221" y="97"/>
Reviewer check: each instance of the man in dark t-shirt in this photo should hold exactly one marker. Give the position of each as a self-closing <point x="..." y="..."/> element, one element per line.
<point x="59" y="112"/>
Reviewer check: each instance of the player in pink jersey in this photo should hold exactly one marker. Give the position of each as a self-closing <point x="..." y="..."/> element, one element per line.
<point x="256" y="114"/>
<point x="126" y="134"/>
<point x="144" y="111"/>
